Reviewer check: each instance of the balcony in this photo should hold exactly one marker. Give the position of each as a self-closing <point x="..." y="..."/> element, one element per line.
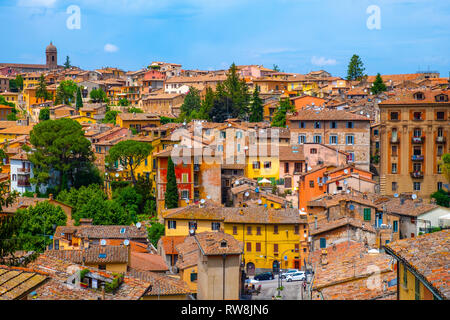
<point x="23" y="170"/>
<point x="417" y="157"/>
<point x="440" y="139"/>
<point x="418" y="139"/>
<point x="395" y="140"/>
<point x="23" y="183"/>
<point x="417" y="175"/>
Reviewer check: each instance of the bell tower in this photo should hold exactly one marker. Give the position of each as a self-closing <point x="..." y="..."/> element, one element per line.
<point x="51" y="54"/>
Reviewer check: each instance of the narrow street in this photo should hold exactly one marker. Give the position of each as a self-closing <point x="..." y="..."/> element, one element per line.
<point x="292" y="290"/>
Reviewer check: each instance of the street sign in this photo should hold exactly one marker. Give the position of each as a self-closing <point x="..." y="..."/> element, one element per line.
<point x="285" y="258"/>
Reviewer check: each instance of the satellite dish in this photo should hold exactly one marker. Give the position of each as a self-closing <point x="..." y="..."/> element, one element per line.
<point x="345" y="171"/>
<point x="202" y="201"/>
<point x="414" y="196"/>
<point x="103" y="242"/>
<point x="191" y="231"/>
<point x="106" y="173"/>
<point x="229" y="124"/>
<point x="126" y="242"/>
<point x="345" y="182"/>
<point x="246" y="194"/>
<point x="117" y="175"/>
<point x="184" y="123"/>
<point x="208" y="197"/>
<point x="368" y="116"/>
<point x="361" y="112"/>
<point x="396" y="195"/>
<point x="259" y="201"/>
<point x="303" y="209"/>
<point x="309" y="168"/>
<point x="265" y="205"/>
<point x="236" y="183"/>
<point x="138" y="225"/>
<point x="348" y="191"/>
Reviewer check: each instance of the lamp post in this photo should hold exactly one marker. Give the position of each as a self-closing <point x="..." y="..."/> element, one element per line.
<point x="280" y="280"/>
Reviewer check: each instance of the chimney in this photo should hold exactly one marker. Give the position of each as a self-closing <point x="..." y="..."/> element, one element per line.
<point x="342" y="208"/>
<point x="50" y="196"/>
<point x="241" y="212"/>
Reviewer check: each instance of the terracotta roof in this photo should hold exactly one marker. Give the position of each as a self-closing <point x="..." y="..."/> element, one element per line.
<point x="188" y="253"/>
<point x="291" y="153"/>
<point x="112" y="232"/>
<point x="17" y="130"/>
<point x="93" y="254"/>
<point x="331" y="225"/>
<point x="161" y="285"/>
<point x="138" y="116"/>
<point x="218" y="243"/>
<point x="345" y="272"/>
<point x="17" y="283"/>
<point x="429" y="256"/>
<point x="409" y="207"/>
<point x="169" y="243"/>
<point x="58" y="287"/>
<point x="141" y="261"/>
<point x="257" y="215"/>
<point x="407" y="97"/>
<point x="326" y="114"/>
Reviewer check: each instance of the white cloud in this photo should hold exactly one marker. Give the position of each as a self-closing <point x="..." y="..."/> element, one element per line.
<point x="36" y="3"/>
<point x="111" y="48"/>
<point x="322" y="61"/>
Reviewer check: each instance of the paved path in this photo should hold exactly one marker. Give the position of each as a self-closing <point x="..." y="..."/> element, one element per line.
<point x="292" y="290"/>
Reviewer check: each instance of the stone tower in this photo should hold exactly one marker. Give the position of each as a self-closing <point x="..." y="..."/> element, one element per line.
<point x="52" y="56"/>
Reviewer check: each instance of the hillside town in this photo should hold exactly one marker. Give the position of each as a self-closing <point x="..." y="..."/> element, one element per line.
<point x="247" y="183"/>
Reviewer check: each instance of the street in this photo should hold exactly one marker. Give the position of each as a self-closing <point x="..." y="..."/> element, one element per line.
<point x="292" y="290"/>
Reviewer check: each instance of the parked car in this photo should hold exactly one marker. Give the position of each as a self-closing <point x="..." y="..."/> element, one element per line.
<point x="297" y="276"/>
<point x="288" y="272"/>
<point x="264" y="276"/>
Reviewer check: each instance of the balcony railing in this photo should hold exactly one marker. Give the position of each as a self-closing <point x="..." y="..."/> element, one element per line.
<point x="417" y="174"/>
<point x="23" y="170"/>
<point x="395" y="140"/>
<point x="417" y="157"/>
<point x="23" y="183"/>
<point x="418" y="139"/>
<point x="440" y="139"/>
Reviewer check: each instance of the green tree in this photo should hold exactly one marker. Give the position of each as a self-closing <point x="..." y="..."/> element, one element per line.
<point x="171" y="195"/>
<point x="67" y="63"/>
<point x="124" y="102"/>
<point x="37" y="225"/>
<point x="191" y="104"/>
<point x="16" y="85"/>
<point x="41" y="91"/>
<point x="445" y="166"/>
<point x="98" y="95"/>
<point x="130" y="200"/>
<point x="78" y="197"/>
<point x="79" y="103"/>
<point x="155" y="232"/>
<point x="442" y="198"/>
<point x="237" y="90"/>
<point x="279" y="119"/>
<point x="378" y="85"/>
<point x="256" y="107"/>
<point x="65" y="93"/>
<point x="44" y="114"/>
<point x="206" y="104"/>
<point x="355" y="69"/>
<point x="11" y="116"/>
<point x="222" y="103"/>
<point x="135" y="110"/>
<point x="110" y="117"/>
<point x="275" y="68"/>
<point x="165" y="120"/>
<point x="3" y="102"/>
<point x="59" y="145"/>
<point x="130" y="154"/>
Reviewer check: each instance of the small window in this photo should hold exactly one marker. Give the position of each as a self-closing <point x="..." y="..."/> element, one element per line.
<point x="419" y="96"/>
<point x="394" y="168"/>
<point x="122" y="230"/>
<point x="417" y="115"/>
<point x="258" y="247"/>
<point x="249" y="230"/>
<point x="275" y="248"/>
<point x="317" y="139"/>
<point x="311" y="183"/>
<point x="267" y="165"/>
<point x="249" y="246"/>
<point x="333" y="139"/>
<point x="256" y="165"/>
<point x="394" y="116"/>
<point x="440" y="115"/>
<point x="394" y="186"/>
<point x="313" y="151"/>
<point x="223" y="244"/>
<point x="416" y="186"/>
<point x="350" y="124"/>
<point x="395" y="226"/>
<point x="323" y="243"/>
<point x="275" y="229"/>
<point x="333" y="125"/>
<point x="301" y="124"/>
<point x="317" y="125"/>
<point x="215" y="226"/>
<point x="193" y="276"/>
<point x="301" y="139"/>
<point x="235" y="230"/>
<point x="193" y="225"/>
<point x="349" y="140"/>
<point x="296" y="229"/>
<point x="258" y="231"/>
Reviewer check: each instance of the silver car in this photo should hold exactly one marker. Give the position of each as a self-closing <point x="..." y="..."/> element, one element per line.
<point x="297" y="276"/>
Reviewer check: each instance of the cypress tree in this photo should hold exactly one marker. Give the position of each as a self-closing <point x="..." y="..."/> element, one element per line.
<point x="256" y="108"/>
<point x="171" y="196"/>
<point x="378" y="85"/>
<point x="355" y="69"/>
<point x="79" y="104"/>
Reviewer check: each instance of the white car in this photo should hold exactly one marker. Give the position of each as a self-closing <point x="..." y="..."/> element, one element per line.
<point x="288" y="272"/>
<point x="297" y="276"/>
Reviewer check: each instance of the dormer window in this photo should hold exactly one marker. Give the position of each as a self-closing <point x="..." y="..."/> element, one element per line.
<point x="441" y="98"/>
<point x="223" y="244"/>
<point x="419" y="96"/>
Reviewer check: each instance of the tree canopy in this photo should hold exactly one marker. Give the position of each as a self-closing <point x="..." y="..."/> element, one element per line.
<point x="98" y="95"/>
<point x="110" y="116"/>
<point x="41" y="92"/>
<point x="279" y="119"/>
<point x="65" y="93"/>
<point x="355" y="69"/>
<point x="130" y="154"/>
<point x="59" y="145"/>
<point x="378" y="85"/>
<point x="44" y="114"/>
<point x="191" y="105"/>
<point x="67" y="63"/>
<point x="79" y="103"/>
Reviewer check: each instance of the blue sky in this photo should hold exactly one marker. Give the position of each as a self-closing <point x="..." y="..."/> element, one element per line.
<point x="297" y="35"/>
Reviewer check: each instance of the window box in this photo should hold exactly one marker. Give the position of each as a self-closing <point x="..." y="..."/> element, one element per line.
<point x="417" y="157"/>
<point x="418" y="139"/>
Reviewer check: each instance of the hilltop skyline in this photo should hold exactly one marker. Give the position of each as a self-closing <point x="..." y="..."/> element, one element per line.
<point x="297" y="36"/>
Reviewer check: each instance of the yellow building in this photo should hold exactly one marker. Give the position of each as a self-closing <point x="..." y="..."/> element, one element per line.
<point x="422" y="266"/>
<point x="259" y="167"/>
<point x="12" y="97"/>
<point x="137" y="120"/>
<point x="83" y="119"/>
<point x="270" y="237"/>
<point x="14" y="132"/>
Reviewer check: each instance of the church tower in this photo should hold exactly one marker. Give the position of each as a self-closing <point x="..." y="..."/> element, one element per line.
<point x="52" y="56"/>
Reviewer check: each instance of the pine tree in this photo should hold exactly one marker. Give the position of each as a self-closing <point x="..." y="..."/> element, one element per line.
<point x="41" y="91"/>
<point x="67" y="63"/>
<point x="279" y="119"/>
<point x="79" y="103"/>
<point x="207" y="104"/>
<point x="221" y="106"/>
<point x="355" y="69"/>
<point x="237" y="91"/>
<point x="171" y="195"/>
<point x="378" y="85"/>
<point x="256" y="107"/>
<point x="191" y="104"/>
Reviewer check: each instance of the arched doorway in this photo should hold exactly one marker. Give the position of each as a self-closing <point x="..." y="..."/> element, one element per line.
<point x="250" y="269"/>
<point x="276" y="267"/>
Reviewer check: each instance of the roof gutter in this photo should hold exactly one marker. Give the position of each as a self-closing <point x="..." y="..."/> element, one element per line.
<point x="424" y="281"/>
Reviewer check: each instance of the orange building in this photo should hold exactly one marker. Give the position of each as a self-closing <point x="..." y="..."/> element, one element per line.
<point x="303" y="101"/>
